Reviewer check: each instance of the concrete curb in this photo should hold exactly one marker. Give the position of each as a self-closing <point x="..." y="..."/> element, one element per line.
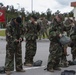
<point x="2" y="38"/>
<point x="42" y="40"/>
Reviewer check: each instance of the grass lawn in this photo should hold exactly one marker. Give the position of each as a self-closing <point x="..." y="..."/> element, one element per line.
<point x="2" y="32"/>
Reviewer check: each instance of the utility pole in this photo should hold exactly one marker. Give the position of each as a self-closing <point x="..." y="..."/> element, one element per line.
<point x="31" y="5"/>
<point x="18" y="9"/>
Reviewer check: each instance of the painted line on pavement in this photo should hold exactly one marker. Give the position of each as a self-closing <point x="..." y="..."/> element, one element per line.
<point x="28" y="68"/>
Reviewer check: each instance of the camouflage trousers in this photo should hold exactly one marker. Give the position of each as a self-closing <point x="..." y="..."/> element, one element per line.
<point x="30" y="51"/>
<point x="43" y="33"/>
<point x="13" y="53"/>
<point x="54" y="56"/>
<point x="73" y="50"/>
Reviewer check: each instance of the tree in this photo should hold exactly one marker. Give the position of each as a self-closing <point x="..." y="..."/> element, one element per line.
<point x="37" y="14"/>
<point x="48" y="14"/>
<point x="70" y="14"/>
<point x="23" y="10"/>
<point x="1" y="4"/>
<point x="7" y="7"/>
<point x="43" y="14"/>
<point x="12" y="8"/>
<point x="57" y="12"/>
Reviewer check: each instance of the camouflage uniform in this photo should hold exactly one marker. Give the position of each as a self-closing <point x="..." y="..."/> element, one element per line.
<point x="41" y="31"/>
<point x="13" y="48"/>
<point x="44" y="28"/>
<point x="67" y="27"/>
<point x="55" y="46"/>
<point x="67" y="24"/>
<point x="73" y="44"/>
<point x="31" y="31"/>
<point x="71" y="30"/>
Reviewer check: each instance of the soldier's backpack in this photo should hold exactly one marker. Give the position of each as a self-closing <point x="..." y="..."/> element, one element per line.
<point x="72" y="62"/>
<point x="68" y="72"/>
<point x="65" y="40"/>
<point x="37" y="63"/>
<point x="2" y="70"/>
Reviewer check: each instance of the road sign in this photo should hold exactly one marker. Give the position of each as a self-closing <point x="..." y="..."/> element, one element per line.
<point x="2" y="15"/>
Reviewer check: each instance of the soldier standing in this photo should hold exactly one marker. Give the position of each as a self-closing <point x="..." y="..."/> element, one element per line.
<point x="44" y="27"/>
<point x="13" y="46"/>
<point x="40" y="32"/>
<point x="71" y="30"/>
<point x="31" y="30"/>
<point x="55" y="50"/>
<point x="67" y="24"/>
<point x="73" y="38"/>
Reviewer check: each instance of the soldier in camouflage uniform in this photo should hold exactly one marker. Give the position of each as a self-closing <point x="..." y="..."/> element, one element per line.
<point x="41" y="30"/>
<point x="44" y="27"/>
<point x="67" y="26"/>
<point x="70" y="28"/>
<point x="73" y="38"/>
<point x="43" y="23"/>
<point x="13" y="46"/>
<point x="55" y="50"/>
<point x="31" y="30"/>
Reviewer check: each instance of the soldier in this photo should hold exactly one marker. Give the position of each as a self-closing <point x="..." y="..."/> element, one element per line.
<point x="55" y="50"/>
<point x="70" y="28"/>
<point x="44" y="27"/>
<point x="40" y="32"/>
<point x="73" y="38"/>
<point x="31" y="30"/>
<point x="67" y="26"/>
<point x="13" y="46"/>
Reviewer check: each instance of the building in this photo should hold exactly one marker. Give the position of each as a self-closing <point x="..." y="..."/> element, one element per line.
<point x="73" y="4"/>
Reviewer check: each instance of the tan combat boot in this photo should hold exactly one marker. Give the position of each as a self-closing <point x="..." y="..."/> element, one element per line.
<point x="20" y="70"/>
<point x="57" y="68"/>
<point x="7" y="72"/>
<point x="29" y="65"/>
<point x="51" y="70"/>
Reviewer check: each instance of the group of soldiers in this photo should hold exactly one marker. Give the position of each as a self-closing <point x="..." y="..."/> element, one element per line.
<point x="15" y="33"/>
<point x="58" y="51"/>
<point x="34" y="29"/>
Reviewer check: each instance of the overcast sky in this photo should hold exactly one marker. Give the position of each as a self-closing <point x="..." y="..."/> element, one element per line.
<point x="41" y="5"/>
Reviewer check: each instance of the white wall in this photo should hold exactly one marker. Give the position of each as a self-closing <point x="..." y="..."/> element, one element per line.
<point x="75" y="12"/>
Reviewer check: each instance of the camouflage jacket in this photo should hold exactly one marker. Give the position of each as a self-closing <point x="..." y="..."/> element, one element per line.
<point x="44" y="23"/>
<point x="67" y="24"/>
<point x="73" y="33"/>
<point x="55" y="29"/>
<point x="13" y="31"/>
<point x="31" y="31"/>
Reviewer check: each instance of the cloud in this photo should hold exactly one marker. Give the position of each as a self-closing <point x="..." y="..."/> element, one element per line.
<point x="41" y="5"/>
<point x="65" y="2"/>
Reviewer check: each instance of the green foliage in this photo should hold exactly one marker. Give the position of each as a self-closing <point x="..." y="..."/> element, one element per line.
<point x="49" y="14"/>
<point x="10" y="15"/>
<point x="11" y="12"/>
<point x="1" y="4"/>
<point x="2" y="32"/>
<point x="71" y="14"/>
